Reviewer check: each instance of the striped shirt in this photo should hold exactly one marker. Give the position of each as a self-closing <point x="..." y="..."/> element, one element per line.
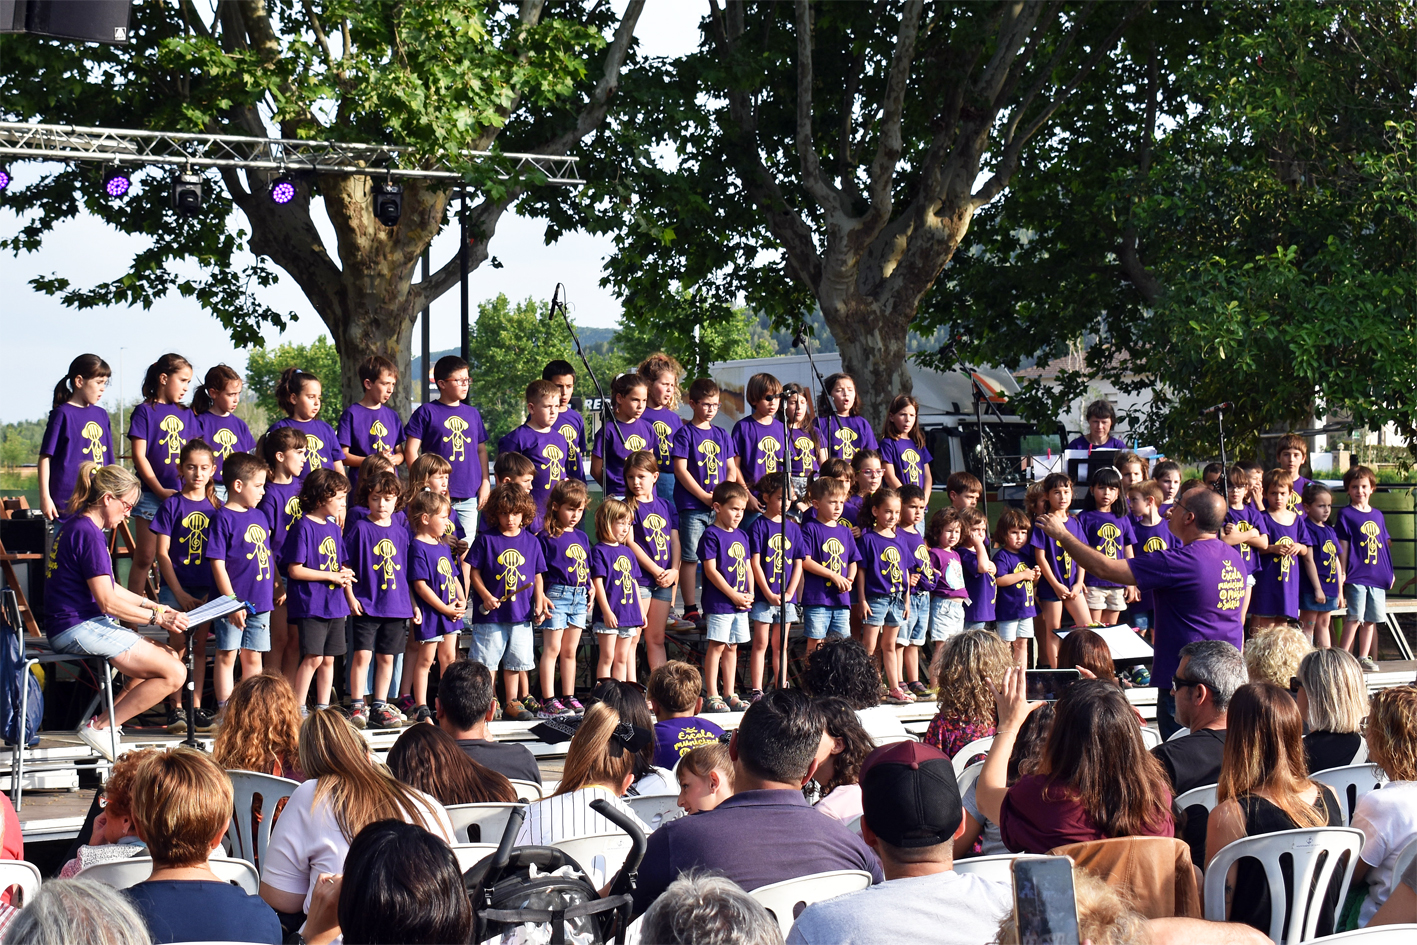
<point x="567" y="816"/>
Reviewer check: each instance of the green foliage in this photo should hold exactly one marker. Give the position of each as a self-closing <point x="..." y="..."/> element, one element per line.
<point x="19" y="442"/>
<point x="264" y="367"/>
<point x="510" y="344"/>
<point x="695" y="334"/>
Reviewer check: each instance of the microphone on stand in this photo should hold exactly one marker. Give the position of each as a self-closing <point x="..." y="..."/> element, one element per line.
<point x="1210" y="410"/>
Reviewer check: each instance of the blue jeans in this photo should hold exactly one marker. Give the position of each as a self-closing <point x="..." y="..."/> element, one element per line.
<point x="101" y="636"/>
<point x="466" y="511"/>
<point x="1365" y="604"/>
<point x="914" y="630"/>
<point x="763" y="612"/>
<point x="946" y="617"/>
<point x="887" y="610"/>
<point x="727" y="628"/>
<point x="568" y="608"/>
<point x="692" y="525"/>
<point x="819" y="621"/>
<point x="508" y="645"/>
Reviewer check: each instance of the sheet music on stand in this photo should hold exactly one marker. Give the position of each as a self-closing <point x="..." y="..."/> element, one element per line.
<point x="1125" y="644"/>
<point x="213" y="609"/>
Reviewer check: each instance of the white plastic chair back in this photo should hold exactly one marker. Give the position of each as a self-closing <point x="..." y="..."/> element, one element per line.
<point x="245" y="785"/>
<point x="1350" y="783"/>
<point x="1404" y="934"/>
<point x="1179" y="733"/>
<point x="656" y="810"/>
<point x="854" y="825"/>
<point x="1404" y="859"/>
<point x="994" y="868"/>
<point x="1150" y="738"/>
<point x="1360" y="757"/>
<point x="892" y="738"/>
<point x="787" y="899"/>
<point x="470" y="854"/>
<point x="528" y="790"/>
<point x="1203" y="796"/>
<point x="600" y="854"/>
<point x="23" y="874"/>
<point x="490" y="820"/>
<point x="980" y="746"/>
<point x="967" y="777"/>
<point x="120" y="874"/>
<point x="1317" y="853"/>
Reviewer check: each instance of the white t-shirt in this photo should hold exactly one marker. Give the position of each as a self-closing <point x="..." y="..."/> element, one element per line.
<point x="656" y="782"/>
<point x="567" y="816"/>
<point x="880" y="720"/>
<point x="306" y="841"/>
<point x="1388" y="819"/>
<point x="946" y="908"/>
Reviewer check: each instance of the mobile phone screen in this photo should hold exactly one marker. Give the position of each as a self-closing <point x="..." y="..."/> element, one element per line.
<point x="1045" y="908"/>
<point x="1047" y="685"/>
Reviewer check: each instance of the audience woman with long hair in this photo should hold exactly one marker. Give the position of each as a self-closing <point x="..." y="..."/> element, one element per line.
<point x="260" y="729"/>
<point x="628" y="699"/>
<point x="1333" y="700"/>
<point x="967" y="664"/>
<point x="840" y="773"/>
<point x="346" y="792"/>
<point x="1388" y="818"/>
<point x="428" y="759"/>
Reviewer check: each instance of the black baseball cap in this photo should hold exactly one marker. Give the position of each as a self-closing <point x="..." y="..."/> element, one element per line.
<point x="909" y="795"/>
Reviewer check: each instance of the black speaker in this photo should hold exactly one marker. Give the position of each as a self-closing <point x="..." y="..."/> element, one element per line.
<point x="27" y="536"/>
<point x="12" y="16"/>
<point x="88" y="21"/>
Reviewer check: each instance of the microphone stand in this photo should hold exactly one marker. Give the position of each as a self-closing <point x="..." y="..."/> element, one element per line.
<point x="1224" y="464"/>
<point x="607" y="413"/>
<point x="980" y="397"/>
<point x="800" y="341"/>
<point x="782" y="558"/>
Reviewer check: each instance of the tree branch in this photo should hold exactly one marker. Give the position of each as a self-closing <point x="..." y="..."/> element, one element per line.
<point x="193" y="19"/>
<point x="1010" y="40"/>
<point x="889" y="147"/>
<point x="594" y="112"/>
<point x="1146" y="283"/>
<point x="827" y="196"/>
<point x="321" y="38"/>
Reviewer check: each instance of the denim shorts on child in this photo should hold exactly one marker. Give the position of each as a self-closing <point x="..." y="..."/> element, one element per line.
<point x="819" y="621"/>
<point x="1140" y="619"/>
<point x="664" y="486"/>
<point x="505" y="645"/>
<point x="692" y="525"/>
<point x="728" y="628"/>
<point x="466" y="511"/>
<point x="763" y="612"/>
<point x="655" y="592"/>
<point x="622" y="631"/>
<point x="976" y="625"/>
<point x="946" y="617"/>
<point x="1107" y="598"/>
<point x="914" y="630"/>
<point x="256" y="637"/>
<point x="1307" y="602"/>
<point x="1011" y="630"/>
<point x="568" y="606"/>
<point x="101" y="636"/>
<point x="887" y="610"/>
<point x="166" y="598"/>
<point x="148" y="504"/>
<point x="1365" y="604"/>
<point x="220" y="491"/>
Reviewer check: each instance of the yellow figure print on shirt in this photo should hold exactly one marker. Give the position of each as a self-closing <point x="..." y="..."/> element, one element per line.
<point x="579" y="569"/>
<point x="511" y="578"/>
<point x="195" y="540"/>
<point x="329" y="555"/>
<point x="94" y="434"/>
<point x="1230" y="591"/>
<point x="447" y="587"/>
<point x="313" y="445"/>
<point x="891" y="569"/>
<point x="260" y="551"/>
<point x="1243" y="528"/>
<point x="768" y="446"/>
<point x="626" y="581"/>
<point x="1331" y="550"/>
<point x="911" y="460"/>
<point x="386" y="567"/>
<point x="665" y="438"/>
<point x="834" y="550"/>
<point x="293" y="512"/>
<point x="710" y="463"/>
<point x="1371" y="543"/>
<point x="568" y="432"/>
<point x="1027" y="585"/>
<point x="634" y="443"/>
<point x="1154" y="544"/>
<point x="806" y="453"/>
<point x="1286" y="563"/>
<point x="845" y="442"/>
<point x="172" y="427"/>
<point x="456" y="439"/>
<point x="657" y="532"/>
<point x="738" y="567"/>
<point x="377" y="432"/>
<point x="778" y="545"/>
<point x="225" y="443"/>
<point x="928" y="575"/>
<point x="1108" y="538"/>
<point x="555" y="468"/>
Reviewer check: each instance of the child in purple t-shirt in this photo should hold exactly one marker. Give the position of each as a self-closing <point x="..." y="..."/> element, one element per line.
<point x="776" y="547"/>
<point x="371" y="427"/>
<point x="628" y="433"/>
<point x="1244" y="530"/>
<point x="1015" y="576"/>
<point x="703" y="455"/>
<point x="1153" y="535"/>
<point x="1108" y="530"/>
<point x="284" y="453"/>
<point x="615" y="576"/>
<point x="843" y="427"/>
<point x="829" y="564"/>
<point x="1323" y="567"/>
<point x="567" y="555"/>
<point x="979" y="571"/>
<point x="759" y="440"/>
<point x="449" y="428"/>
<point x="916" y="629"/>
<point x="883" y="588"/>
<point x="77" y="432"/>
<point x="728" y="594"/>
<point x="243" y="566"/>
<point x="1367" y="558"/>
<point x="441" y="603"/>
<point x="541" y="443"/>
<point x="948" y="594"/>
<point x="300" y="396"/>
<point x="377" y="547"/>
<point x="320" y="582"/>
<point x="655" y="542"/>
<point x="214" y="404"/>
<point x="906" y="460"/>
<point x="158" y="428"/>
<point x="1276" y="595"/>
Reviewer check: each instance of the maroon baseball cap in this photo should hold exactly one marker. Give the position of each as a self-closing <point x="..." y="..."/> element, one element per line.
<point x="909" y="795"/>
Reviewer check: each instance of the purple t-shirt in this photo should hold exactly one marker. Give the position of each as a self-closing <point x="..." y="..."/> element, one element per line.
<point x="618" y="570"/>
<point x="846" y="436"/>
<point x="1150" y="540"/>
<point x="1248" y="519"/>
<point x="365" y="431"/>
<point x="759" y="447"/>
<point x="1108" y="535"/>
<point x="318" y="545"/>
<point x="165" y="428"/>
<point x="1276" y="590"/>
<point x="765" y="539"/>
<point x="1369" y="546"/>
<point x="567" y="559"/>
<point x="614" y="448"/>
<point x="886" y="568"/>
<point x="1015" y="601"/>
<point x="908" y="460"/>
<point x="803" y="457"/>
<point x="675" y="738"/>
<point x="188" y="522"/>
<point x="950" y="571"/>
<point x="358" y="513"/>
<point x="281" y="505"/>
<point x="1113" y="443"/>
<point x="1296" y="492"/>
<point x="321" y="443"/>
<point x="983" y="593"/>
<point x="571" y="425"/>
<point x="225" y="435"/>
<point x="242" y="539"/>
<point x="432" y="563"/>
<point x="706" y="454"/>
<point x="74" y="436"/>
<point x="1198" y="590"/>
<point x="378" y="555"/>
<point x="79" y="553"/>
<point x="665" y="423"/>
<point x="833" y="548"/>
<point x="1056" y="556"/>
<point x="1327" y="553"/>
<point x="654" y="521"/>
<point x="506" y="564"/>
<point x="851" y="511"/>
<point x="917" y="558"/>
<point x="728" y="550"/>
<point x="547" y="452"/>
<point x="454" y="432"/>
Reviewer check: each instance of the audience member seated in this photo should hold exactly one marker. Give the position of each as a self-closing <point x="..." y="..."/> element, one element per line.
<point x="839" y="774"/>
<point x="114" y="837"/>
<point x="346" y="792"/>
<point x="981" y="835"/>
<point x="599" y="766"/>
<point x="1401" y="906"/>
<point x="402" y="885"/>
<point x="1264" y="787"/>
<point x="705" y="778"/>
<point x="1388" y="818"/>
<point x="912" y="817"/>
<point x="182" y="805"/>
<point x="843" y="668"/>
<point x="1273" y="655"/>
<point x="628" y="700"/>
<point x="1095" y="781"/>
<point x="1333" y="700"/>
<point x="703" y="909"/>
<point x="78" y="910"/>
<point x="465" y="704"/>
<point x="766" y="832"/>
<point x="966" y="664"/>
<point x="260" y="729"/>
<point x="12" y="845"/>
<point x="674" y="695"/>
<point x="427" y="759"/>
<point x="1085" y="649"/>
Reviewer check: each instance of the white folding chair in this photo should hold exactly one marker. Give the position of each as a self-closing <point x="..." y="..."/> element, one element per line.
<point x="470" y="854"/>
<point x="787" y="899"/>
<point x="600" y="854"/>
<point x="966" y="778"/>
<point x="1179" y="733"/>
<point x="1316" y="852"/>
<point x="1405" y="858"/>
<point x="245" y="785"/>
<point x="980" y="746"/>
<point x="480" y="823"/>
<point x="1350" y="783"/>
<point x="656" y="810"/>
<point x="23" y="874"/>
<point x="1203" y="796"/>
<point x="120" y="874"/>
<point x="854" y="825"/>
<point x="1404" y="934"/>
<point x="1150" y="738"/>
<point x="994" y="868"/>
<point x="892" y="738"/>
<point x="528" y="790"/>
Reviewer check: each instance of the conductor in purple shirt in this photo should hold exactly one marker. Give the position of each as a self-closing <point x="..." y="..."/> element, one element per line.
<point x="1198" y="588"/>
<point x="1101" y="418"/>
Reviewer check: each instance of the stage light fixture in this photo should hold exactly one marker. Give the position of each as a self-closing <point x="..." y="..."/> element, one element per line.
<point x="388" y="202"/>
<point x="4" y="178"/>
<point x="116" y="182"/>
<point x="187" y="193"/>
<point x="282" y="190"/>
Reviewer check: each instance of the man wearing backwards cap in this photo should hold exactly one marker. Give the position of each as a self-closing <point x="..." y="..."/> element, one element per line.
<point x="911" y="814"/>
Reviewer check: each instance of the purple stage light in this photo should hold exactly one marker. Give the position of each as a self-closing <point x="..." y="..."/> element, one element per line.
<point x="116" y="183"/>
<point x="282" y="191"/>
<point x="4" y="178"/>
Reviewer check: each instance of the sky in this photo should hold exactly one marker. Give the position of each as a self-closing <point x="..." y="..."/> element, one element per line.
<point x="39" y="335"/>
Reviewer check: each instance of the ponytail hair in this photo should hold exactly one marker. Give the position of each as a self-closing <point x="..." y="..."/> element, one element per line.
<point x="167" y="364"/>
<point x="279" y="440"/>
<point x="590" y="759"/>
<point x="93" y="482"/>
<point x="85" y="366"/>
<point x="656" y="366"/>
<point x="217" y="379"/>
<point x="292" y="382"/>
<point x="199" y="445"/>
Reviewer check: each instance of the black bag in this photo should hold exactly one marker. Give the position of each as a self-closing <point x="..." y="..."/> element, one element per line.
<point x="13" y="676"/>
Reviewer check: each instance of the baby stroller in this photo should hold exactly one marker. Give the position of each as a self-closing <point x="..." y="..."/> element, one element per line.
<point x="536" y="894"/>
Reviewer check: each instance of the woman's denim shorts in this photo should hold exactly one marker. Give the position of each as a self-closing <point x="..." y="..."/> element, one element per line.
<point x="101" y="636"/>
